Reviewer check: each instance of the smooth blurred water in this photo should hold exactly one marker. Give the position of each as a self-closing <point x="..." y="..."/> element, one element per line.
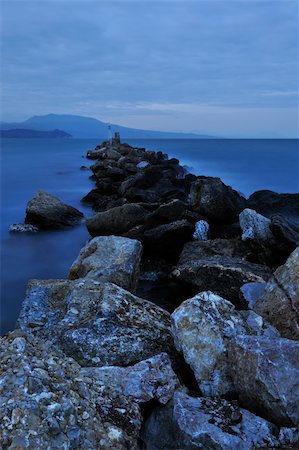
<point x="54" y="166"/>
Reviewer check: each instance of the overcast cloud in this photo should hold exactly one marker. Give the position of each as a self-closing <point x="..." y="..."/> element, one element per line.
<point x="217" y="67"/>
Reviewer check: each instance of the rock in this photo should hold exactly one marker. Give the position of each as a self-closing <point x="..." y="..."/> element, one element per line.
<point x="187" y="423"/>
<point x="109" y="258"/>
<point x="285" y="231"/>
<point x="117" y="220"/>
<point x="220" y="266"/>
<point x="279" y="304"/>
<point x="266" y="376"/>
<point x="168" y="239"/>
<point x="22" y="228"/>
<point x="96" y="323"/>
<point x="255" y="227"/>
<point x="269" y="203"/>
<point x="48" y="212"/>
<point x="252" y="292"/>
<point x="202" y="327"/>
<point x="142" y="165"/>
<point x="95" y="153"/>
<point x="216" y="201"/>
<point x="201" y="230"/>
<point x="46" y="402"/>
<point x="146" y="380"/>
<point x="170" y="211"/>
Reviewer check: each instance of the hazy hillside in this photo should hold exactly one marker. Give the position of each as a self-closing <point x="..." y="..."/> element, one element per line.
<point x="87" y="127"/>
<point x="26" y="133"/>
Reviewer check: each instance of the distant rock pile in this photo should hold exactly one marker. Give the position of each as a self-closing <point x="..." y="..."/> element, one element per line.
<point x="177" y="327"/>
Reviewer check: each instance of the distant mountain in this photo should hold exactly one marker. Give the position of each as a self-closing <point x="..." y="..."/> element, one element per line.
<point x="28" y="133"/>
<point x="87" y="127"/>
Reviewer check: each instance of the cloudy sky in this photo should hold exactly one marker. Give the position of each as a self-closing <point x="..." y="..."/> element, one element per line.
<point x="228" y="68"/>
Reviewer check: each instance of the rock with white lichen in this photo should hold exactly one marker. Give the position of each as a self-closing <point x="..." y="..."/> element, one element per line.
<point x="255" y="226"/>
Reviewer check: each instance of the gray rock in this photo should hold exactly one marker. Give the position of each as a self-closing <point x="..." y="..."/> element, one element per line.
<point x="286" y="231"/>
<point x="22" y="228"/>
<point x="201" y="230"/>
<point x="46" y="402"/>
<point x="252" y="292"/>
<point x="95" y="153"/>
<point x="269" y="203"/>
<point x="117" y="220"/>
<point x="279" y="304"/>
<point x="146" y="380"/>
<point x="216" y="201"/>
<point x="109" y="258"/>
<point x="202" y="327"/>
<point x="219" y="266"/>
<point x="48" y="212"/>
<point x="255" y="226"/>
<point x="187" y="423"/>
<point x="266" y="376"/>
<point x="96" y="323"/>
<point x="170" y="211"/>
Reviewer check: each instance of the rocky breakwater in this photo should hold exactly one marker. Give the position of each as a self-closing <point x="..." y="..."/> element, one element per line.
<point x="175" y="329"/>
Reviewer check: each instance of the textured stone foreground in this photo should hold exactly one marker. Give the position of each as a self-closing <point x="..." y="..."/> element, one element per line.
<point x="87" y="354"/>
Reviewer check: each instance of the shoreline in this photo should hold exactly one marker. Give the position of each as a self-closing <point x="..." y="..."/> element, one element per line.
<point x="172" y="291"/>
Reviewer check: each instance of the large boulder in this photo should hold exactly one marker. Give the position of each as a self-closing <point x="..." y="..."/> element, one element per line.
<point x="48" y="212"/>
<point x="187" y="423"/>
<point x="96" y="323"/>
<point x="109" y="258"/>
<point x="220" y="266"/>
<point x="255" y="226"/>
<point x="150" y="379"/>
<point x="216" y="201"/>
<point x="266" y="376"/>
<point x="269" y="203"/>
<point x="286" y="231"/>
<point x="202" y="327"/>
<point x="279" y="302"/>
<point x="117" y="220"/>
<point x="48" y="403"/>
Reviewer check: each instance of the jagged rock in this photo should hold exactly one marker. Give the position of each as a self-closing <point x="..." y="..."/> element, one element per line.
<point x="269" y="203"/>
<point x="168" y="239"/>
<point x="96" y="323"/>
<point x="117" y="220"/>
<point x="187" y="423"/>
<point x="279" y="304"/>
<point x="109" y="258"/>
<point x="255" y="226"/>
<point x="202" y="327"/>
<point x="146" y="380"/>
<point x="48" y="212"/>
<point x="220" y="266"/>
<point x="266" y="376"/>
<point x="201" y="230"/>
<point x="285" y="231"/>
<point x="22" y="228"/>
<point x="47" y="402"/>
<point x="216" y="201"/>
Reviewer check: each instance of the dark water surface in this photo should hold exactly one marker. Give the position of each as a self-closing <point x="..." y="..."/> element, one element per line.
<point x="53" y="165"/>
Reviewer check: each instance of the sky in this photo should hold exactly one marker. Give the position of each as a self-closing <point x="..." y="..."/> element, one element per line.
<point x="225" y="68"/>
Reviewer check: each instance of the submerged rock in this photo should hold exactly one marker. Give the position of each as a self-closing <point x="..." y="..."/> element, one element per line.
<point x="187" y="423"/>
<point x="22" y="228"/>
<point x="146" y="380"/>
<point x="266" y="376"/>
<point x="279" y="303"/>
<point x="48" y="212"/>
<point x="109" y="258"/>
<point x="202" y="327"/>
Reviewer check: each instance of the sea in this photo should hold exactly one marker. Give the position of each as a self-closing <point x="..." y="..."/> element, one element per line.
<point x="54" y="165"/>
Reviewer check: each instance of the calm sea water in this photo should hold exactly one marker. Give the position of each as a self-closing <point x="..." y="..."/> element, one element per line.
<point x="54" y="166"/>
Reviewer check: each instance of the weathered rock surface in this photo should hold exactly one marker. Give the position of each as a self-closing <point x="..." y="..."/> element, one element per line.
<point x="201" y="230"/>
<point x="216" y="201"/>
<point x="48" y="212"/>
<point x="117" y="220"/>
<point x="266" y="375"/>
<point x="48" y="403"/>
<point x="279" y="304"/>
<point x="22" y="228"/>
<point x="286" y="231"/>
<point x="109" y="258"/>
<point x="202" y="327"/>
<point x="187" y="423"/>
<point x="219" y="266"/>
<point x="269" y="203"/>
<point x="96" y="323"/>
<point x="255" y="226"/>
<point x="146" y="380"/>
<point x="252" y="292"/>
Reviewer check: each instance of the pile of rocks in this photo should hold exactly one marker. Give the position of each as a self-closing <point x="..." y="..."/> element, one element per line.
<point x="208" y="358"/>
